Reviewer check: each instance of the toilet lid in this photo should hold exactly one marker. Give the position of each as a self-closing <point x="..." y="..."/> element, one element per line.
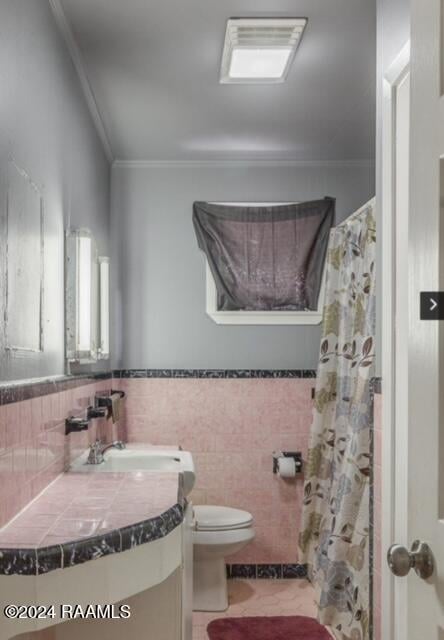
<point x="212" y="518"/>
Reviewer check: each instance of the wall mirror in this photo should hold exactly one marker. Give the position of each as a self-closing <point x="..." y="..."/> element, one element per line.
<point x="86" y="299"/>
<point x="81" y="296"/>
<point x="24" y="253"/>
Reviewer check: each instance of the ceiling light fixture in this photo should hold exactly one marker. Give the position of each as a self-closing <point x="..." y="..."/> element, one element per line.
<point x="260" y="50"/>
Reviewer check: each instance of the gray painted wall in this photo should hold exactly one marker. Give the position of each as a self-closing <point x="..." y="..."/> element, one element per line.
<point x="46" y="127"/>
<point x="160" y="272"/>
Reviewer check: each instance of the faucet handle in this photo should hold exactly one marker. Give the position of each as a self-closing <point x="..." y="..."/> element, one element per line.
<point x="95" y="455"/>
<point x="75" y="424"/>
<point x="96" y="412"/>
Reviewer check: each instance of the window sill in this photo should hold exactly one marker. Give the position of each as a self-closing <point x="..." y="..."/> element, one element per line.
<point x="266" y="317"/>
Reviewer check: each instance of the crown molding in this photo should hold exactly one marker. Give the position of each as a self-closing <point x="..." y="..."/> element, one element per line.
<point x="79" y="65"/>
<point x="229" y="164"/>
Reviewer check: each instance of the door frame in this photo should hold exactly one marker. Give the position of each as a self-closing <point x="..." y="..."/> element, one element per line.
<point x="394" y="433"/>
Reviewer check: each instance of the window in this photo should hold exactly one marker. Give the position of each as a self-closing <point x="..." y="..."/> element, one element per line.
<point x="259" y="271"/>
<point x="259" y="317"/>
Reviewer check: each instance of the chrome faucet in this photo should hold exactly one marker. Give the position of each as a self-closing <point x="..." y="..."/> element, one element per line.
<point x="97" y="450"/>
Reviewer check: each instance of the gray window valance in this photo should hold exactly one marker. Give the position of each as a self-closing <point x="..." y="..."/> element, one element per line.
<point x="265" y="257"/>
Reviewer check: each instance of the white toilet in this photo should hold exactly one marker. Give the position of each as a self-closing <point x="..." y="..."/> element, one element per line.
<point x="219" y="532"/>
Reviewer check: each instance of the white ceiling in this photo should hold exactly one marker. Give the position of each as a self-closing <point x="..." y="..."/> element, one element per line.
<point x="154" y="71"/>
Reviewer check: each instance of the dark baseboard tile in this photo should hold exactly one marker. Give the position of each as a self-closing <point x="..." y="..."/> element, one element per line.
<point x="17" y="392"/>
<point x="214" y="373"/>
<point x="377" y="385"/>
<point x="291" y="571"/>
<point x="242" y="571"/>
<point x="267" y="571"/>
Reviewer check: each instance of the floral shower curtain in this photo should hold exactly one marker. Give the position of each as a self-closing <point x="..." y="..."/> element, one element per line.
<point x="334" y="538"/>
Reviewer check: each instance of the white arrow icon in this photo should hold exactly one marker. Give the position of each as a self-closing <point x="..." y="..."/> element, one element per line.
<point x="434" y="304"/>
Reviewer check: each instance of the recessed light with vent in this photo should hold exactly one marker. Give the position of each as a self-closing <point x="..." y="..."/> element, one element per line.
<point x="260" y="50"/>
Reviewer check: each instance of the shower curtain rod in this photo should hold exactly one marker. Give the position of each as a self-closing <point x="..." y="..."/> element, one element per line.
<point x="344" y="223"/>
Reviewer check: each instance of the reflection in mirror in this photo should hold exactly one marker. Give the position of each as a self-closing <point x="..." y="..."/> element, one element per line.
<point x="84" y="293"/>
<point x="104" y="307"/>
<point x="24" y="252"/>
<point x="80" y="296"/>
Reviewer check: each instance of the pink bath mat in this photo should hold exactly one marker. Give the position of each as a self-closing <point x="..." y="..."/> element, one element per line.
<point x="270" y="628"/>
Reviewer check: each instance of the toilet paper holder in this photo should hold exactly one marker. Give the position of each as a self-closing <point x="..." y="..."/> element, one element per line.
<point x="296" y="455"/>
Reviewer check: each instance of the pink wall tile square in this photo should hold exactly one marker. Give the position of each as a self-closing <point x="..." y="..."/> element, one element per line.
<point x="3" y="423"/>
<point x="12" y="425"/>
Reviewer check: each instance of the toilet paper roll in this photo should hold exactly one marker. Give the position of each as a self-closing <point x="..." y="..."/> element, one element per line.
<point x="286" y="467"/>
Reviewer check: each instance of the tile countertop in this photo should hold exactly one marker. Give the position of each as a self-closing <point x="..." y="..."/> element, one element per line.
<point x="84" y="516"/>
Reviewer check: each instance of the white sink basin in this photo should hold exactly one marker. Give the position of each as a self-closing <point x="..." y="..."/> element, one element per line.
<point x="168" y="460"/>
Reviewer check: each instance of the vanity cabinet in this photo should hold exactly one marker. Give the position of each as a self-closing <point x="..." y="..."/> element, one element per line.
<point x="152" y="576"/>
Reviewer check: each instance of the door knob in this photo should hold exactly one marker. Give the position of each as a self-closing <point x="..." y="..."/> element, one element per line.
<point x="420" y="558"/>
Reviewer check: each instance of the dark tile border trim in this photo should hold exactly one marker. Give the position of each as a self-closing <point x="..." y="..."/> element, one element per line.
<point x="214" y="373"/>
<point x="42" y="560"/>
<point x="267" y="571"/>
<point x="377" y="385"/>
<point x="16" y="392"/>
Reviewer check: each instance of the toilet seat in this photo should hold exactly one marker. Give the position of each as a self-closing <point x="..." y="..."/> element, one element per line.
<point x="215" y="518"/>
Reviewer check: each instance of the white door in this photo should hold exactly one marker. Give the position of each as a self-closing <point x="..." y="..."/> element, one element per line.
<point x="395" y="302"/>
<point x="418" y="479"/>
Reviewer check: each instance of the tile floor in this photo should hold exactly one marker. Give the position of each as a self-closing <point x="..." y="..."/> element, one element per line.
<point x="261" y="598"/>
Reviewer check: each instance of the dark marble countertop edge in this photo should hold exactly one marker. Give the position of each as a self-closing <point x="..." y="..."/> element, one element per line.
<point x="37" y="561"/>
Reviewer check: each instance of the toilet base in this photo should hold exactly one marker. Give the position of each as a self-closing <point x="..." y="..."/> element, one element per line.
<point x="210" y="590"/>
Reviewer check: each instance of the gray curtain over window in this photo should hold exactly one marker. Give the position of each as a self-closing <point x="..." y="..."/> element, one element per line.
<point x="265" y="257"/>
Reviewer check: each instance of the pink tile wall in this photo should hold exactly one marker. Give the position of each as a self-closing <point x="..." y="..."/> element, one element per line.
<point x="33" y="447"/>
<point x="232" y="427"/>
<point x="377" y="566"/>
